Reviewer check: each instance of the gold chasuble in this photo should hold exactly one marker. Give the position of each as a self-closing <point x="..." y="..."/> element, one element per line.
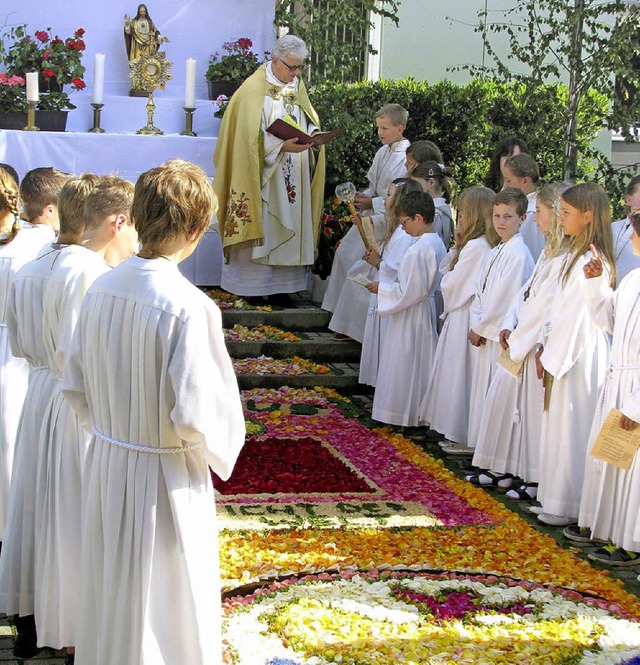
<point x="241" y="179"/>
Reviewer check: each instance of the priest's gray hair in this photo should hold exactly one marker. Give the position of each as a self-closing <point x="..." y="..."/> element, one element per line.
<point x="290" y="45"/>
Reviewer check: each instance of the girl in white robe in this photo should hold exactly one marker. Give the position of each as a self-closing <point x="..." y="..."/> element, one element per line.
<point x="626" y="260"/>
<point x="446" y="402"/>
<point x="508" y="446"/>
<point x="406" y="358"/>
<point x="575" y="354"/>
<point x="150" y="377"/>
<point x="387" y="165"/>
<point x="18" y="246"/>
<point x="385" y="267"/>
<point x="108" y="238"/>
<point x="504" y="271"/>
<point x="610" y="502"/>
<point x="521" y="171"/>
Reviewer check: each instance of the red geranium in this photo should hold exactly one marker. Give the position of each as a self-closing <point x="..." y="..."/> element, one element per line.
<point x="48" y="73"/>
<point x="78" y="84"/>
<point x="245" y="43"/>
<point x="80" y="32"/>
<point x="42" y="35"/>
<point x="45" y="55"/>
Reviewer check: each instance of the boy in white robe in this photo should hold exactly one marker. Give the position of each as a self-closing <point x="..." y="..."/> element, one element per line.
<point x="406" y="357"/>
<point x="350" y="312"/>
<point x="165" y="409"/>
<point x="610" y="502"/>
<point x="25" y="308"/>
<point x="39" y="191"/>
<point x="108" y="238"/>
<point x="505" y="269"/>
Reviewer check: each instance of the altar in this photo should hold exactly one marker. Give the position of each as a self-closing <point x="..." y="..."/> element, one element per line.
<point x="195" y="30"/>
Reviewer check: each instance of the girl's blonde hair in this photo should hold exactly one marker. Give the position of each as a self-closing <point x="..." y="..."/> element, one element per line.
<point x="476" y="206"/>
<point x="9" y="203"/>
<point x="556" y="242"/>
<point x="591" y="197"/>
<point x="402" y="185"/>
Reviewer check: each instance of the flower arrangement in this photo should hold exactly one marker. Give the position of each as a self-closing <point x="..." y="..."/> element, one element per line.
<point x="333" y="226"/>
<point x="238" y="61"/>
<point x="59" y="62"/>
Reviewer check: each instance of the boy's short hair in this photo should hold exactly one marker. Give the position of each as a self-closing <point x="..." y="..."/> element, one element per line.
<point x="396" y="113"/>
<point x="416" y="203"/>
<point x="172" y="200"/>
<point x="71" y="200"/>
<point x="514" y="197"/>
<point x="111" y="196"/>
<point x="39" y="188"/>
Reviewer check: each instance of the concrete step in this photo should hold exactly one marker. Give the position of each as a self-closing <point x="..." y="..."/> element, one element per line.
<point x="319" y="347"/>
<point x="345" y="379"/>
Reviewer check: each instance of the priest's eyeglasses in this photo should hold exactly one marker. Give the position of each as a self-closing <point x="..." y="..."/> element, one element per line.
<point x="293" y="68"/>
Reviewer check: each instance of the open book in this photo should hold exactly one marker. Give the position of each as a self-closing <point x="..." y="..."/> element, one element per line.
<point x="284" y="130"/>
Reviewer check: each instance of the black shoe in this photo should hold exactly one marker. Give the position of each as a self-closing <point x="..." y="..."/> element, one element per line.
<point x="70" y="659"/>
<point x="283" y="300"/>
<point x="26" y="644"/>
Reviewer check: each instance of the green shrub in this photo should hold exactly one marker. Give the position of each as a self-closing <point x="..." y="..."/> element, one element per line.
<point x="465" y="121"/>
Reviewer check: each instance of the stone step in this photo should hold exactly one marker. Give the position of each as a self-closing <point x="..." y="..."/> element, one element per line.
<point x="306" y="317"/>
<point x="345" y="380"/>
<point x="319" y="347"/>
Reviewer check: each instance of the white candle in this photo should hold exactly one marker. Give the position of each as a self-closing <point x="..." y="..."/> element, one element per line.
<point x="98" y="78"/>
<point x="32" y="87"/>
<point x="190" y="85"/>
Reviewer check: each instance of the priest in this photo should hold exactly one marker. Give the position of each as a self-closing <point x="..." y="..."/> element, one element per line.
<point x="270" y="190"/>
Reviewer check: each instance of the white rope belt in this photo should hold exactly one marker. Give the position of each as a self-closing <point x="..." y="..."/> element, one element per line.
<point x="146" y="449"/>
<point x="603" y="402"/>
<point x="37" y="368"/>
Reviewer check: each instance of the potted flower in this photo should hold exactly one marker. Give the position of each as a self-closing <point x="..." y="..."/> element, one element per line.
<point x="59" y="62"/>
<point x="226" y="72"/>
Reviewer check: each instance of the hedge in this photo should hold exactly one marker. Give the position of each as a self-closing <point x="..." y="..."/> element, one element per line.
<point x="465" y="121"/>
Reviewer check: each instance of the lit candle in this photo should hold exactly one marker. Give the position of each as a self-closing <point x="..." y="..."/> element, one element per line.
<point x="32" y="87"/>
<point x="98" y="78"/>
<point x="190" y="85"/>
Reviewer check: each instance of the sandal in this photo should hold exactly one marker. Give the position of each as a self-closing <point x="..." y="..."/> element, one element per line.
<point x="526" y="492"/>
<point x="488" y="479"/>
<point x="615" y="556"/>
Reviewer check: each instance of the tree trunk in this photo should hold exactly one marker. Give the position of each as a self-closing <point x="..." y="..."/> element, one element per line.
<point x="570" y="161"/>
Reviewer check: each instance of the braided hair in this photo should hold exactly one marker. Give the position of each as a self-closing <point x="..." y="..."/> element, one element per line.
<point x="9" y="203"/>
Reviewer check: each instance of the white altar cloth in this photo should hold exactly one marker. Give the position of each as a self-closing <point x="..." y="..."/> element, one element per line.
<point x="128" y="155"/>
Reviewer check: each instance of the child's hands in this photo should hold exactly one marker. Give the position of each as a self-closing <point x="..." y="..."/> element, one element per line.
<point x="503" y="337"/>
<point x="627" y="424"/>
<point x="539" y="366"/>
<point x="372" y="287"/>
<point x="475" y="339"/>
<point x="372" y="258"/>
<point x="362" y="201"/>
<point x="594" y="267"/>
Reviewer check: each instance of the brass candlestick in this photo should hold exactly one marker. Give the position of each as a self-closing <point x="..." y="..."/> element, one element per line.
<point x="96" y="119"/>
<point x="188" y="130"/>
<point x="31" y="118"/>
<point x="150" y="128"/>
